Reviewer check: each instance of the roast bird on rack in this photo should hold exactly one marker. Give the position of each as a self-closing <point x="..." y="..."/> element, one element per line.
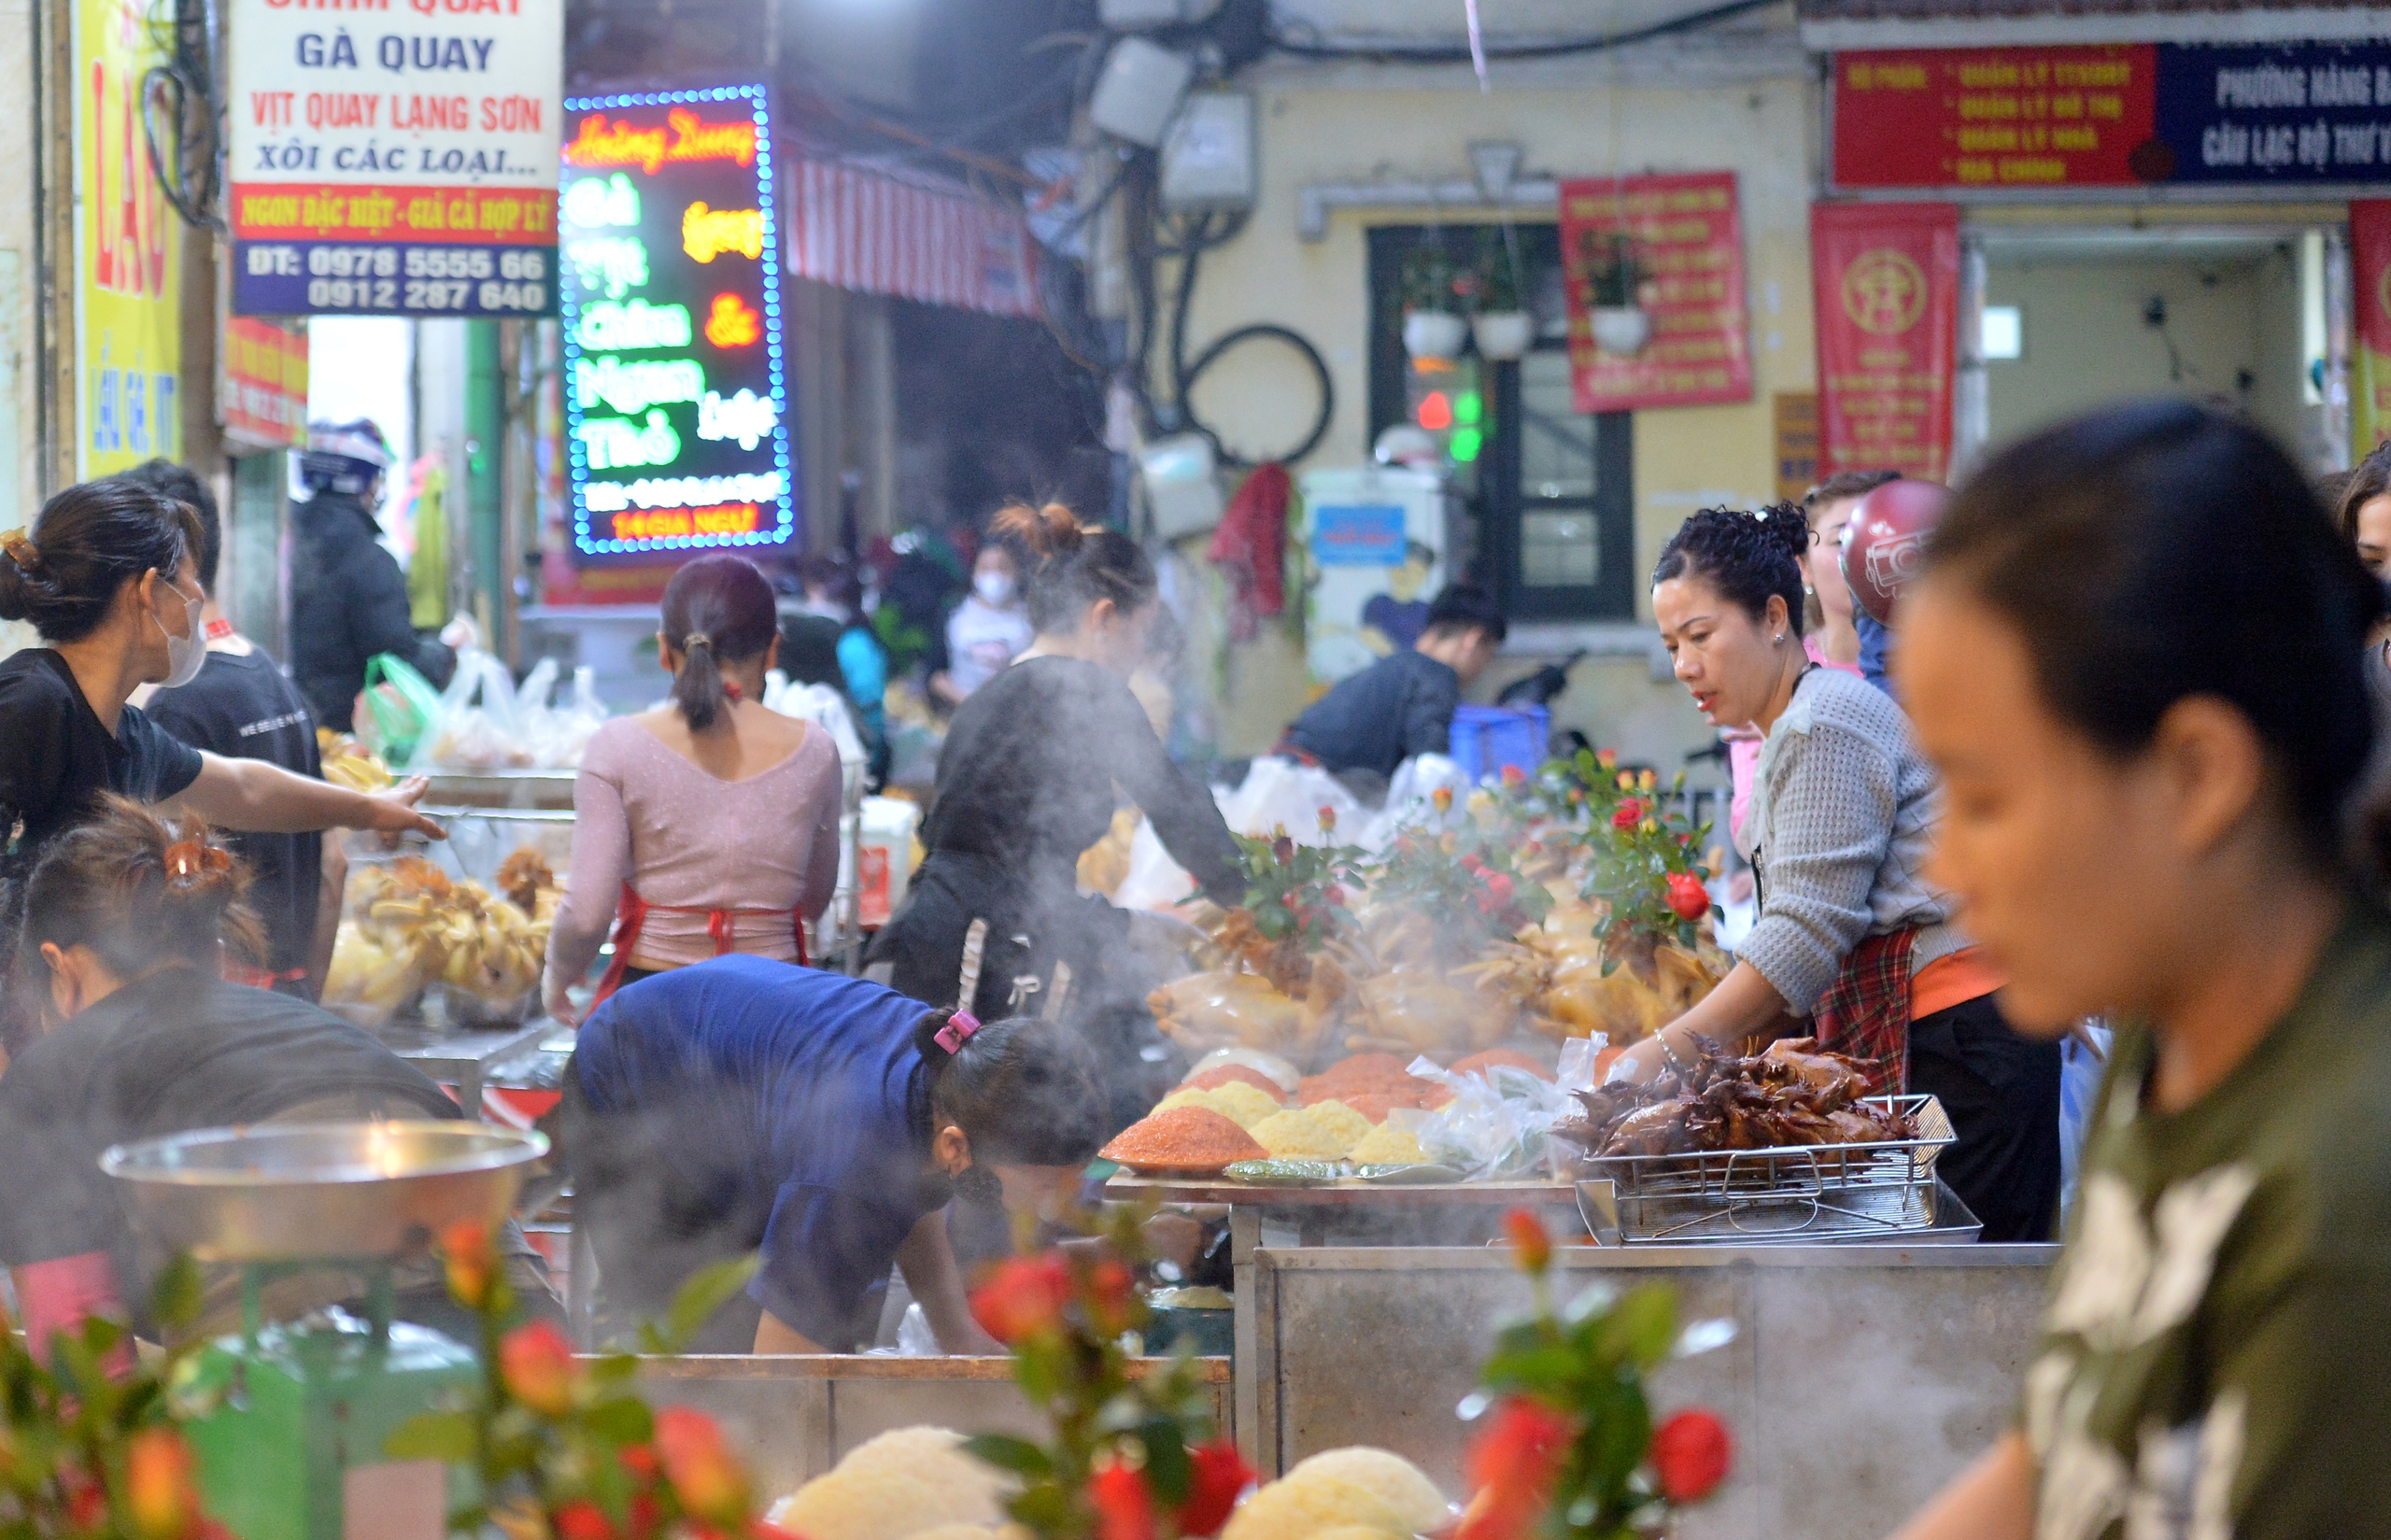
<point x="1789" y="1095"/>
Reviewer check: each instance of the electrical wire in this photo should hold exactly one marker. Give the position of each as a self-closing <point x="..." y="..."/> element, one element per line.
<point x="1563" y="48"/>
<point x="192" y="177"/>
<point x="1204" y="235"/>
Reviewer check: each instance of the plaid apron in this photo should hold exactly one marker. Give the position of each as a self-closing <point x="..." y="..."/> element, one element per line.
<point x="1865" y="1012"/>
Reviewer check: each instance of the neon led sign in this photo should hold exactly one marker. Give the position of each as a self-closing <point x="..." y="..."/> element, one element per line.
<point x="678" y="419"/>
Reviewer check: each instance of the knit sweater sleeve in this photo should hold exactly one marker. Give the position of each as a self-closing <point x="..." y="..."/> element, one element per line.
<point x="1832" y="798"/>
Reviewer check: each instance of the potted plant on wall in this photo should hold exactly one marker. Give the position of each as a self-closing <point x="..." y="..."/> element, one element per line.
<point x="1432" y="326"/>
<point x="1500" y="323"/>
<point x="1620" y="324"/>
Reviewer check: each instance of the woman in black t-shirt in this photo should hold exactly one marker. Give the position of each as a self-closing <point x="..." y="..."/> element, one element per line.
<point x="1026" y="781"/>
<point x="108" y="578"/>
<point x="126" y="928"/>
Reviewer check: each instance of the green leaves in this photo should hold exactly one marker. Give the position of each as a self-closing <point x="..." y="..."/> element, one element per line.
<point x="1006" y="1453"/>
<point x="445" y="1436"/>
<point x="706" y="1292"/>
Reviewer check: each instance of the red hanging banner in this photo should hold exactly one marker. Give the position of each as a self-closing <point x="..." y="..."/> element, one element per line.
<point x="1886" y="281"/>
<point x="1685" y="247"/>
<point x="2370" y="297"/>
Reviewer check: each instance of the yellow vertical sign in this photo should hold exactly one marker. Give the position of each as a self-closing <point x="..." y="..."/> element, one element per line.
<point x="128" y="263"/>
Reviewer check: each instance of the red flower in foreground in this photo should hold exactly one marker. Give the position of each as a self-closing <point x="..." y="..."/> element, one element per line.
<point x="581" y="1519"/>
<point x="159" y="1483"/>
<point x="535" y="1360"/>
<point x="1124" y="1505"/>
<point x="1531" y="1246"/>
<point x="1217" y="1475"/>
<point x="1514" y="778"/>
<point x="704" y="1473"/>
<point x="1022" y="1298"/>
<point x="1627" y="815"/>
<point x="1688" y="899"/>
<point x="1691" y="1454"/>
<point x="472" y="1261"/>
<point x="1110" y="1288"/>
<point x="1514" y="1464"/>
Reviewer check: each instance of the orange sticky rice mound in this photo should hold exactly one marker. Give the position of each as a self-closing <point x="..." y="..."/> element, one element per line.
<point x="1189" y="1139"/>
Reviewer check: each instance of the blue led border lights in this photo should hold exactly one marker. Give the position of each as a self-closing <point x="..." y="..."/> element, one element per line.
<point x="783" y="459"/>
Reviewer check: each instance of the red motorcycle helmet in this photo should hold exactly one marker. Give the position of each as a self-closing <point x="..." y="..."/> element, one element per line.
<point x="1884" y="542"/>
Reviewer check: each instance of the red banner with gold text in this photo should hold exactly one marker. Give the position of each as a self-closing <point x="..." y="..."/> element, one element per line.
<point x="1885" y="279"/>
<point x="1687" y="247"/>
<point x="2370" y="297"/>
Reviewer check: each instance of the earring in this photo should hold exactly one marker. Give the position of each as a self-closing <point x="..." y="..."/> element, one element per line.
<point x="1780" y="639"/>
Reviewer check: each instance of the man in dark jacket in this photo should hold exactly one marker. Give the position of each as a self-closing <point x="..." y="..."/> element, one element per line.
<point x="1401" y="705"/>
<point x="348" y="599"/>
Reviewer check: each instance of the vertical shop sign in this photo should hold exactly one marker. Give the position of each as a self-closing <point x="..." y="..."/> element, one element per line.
<point x="1887" y="287"/>
<point x="1687" y="247"/>
<point x="2370" y="297"/>
<point x="1796" y="420"/>
<point x="264" y="395"/>
<point x="676" y="398"/>
<point x="394" y="157"/>
<point x="128" y="264"/>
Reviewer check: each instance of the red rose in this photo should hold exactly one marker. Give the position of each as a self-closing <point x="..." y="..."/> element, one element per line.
<point x="1334" y="896"/>
<point x="704" y="1473"/>
<point x="1688" y="899"/>
<point x="581" y="1519"/>
<point x="472" y="1261"/>
<point x="1500" y="887"/>
<point x="1514" y="778"/>
<point x="1627" y="815"/>
<point x="1471" y="863"/>
<point x="1442" y="798"/>
<point x="1607" y="758"/>
<point x="1022" y="1298"/>
<point x="1110" y="1288"/>
<point x="1327" y="819"/>
<point x="1531" y="1245"/>
<point x="1217" y="1476"/>
<point x="160" y="1486"/>
<point x="1513" y="1465"/>
<point x="1282" y="850"/>
<point x="1125" y="1506"/>
<point x="639" y="1460"/>
<point x="1690" y="1453"/>
<point x="535" y="1361"/>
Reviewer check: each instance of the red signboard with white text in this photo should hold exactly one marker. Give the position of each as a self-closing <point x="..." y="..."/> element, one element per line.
<point x="1886" y="281"/>
<point x="1688" y="247"/>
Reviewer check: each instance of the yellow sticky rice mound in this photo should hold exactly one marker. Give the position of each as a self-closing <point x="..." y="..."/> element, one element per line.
<point x="910" y="1484"/>
<point x="1241" y="1104"/>
<point x="1387" y="1145"/>
<point x="1393" y="1479"/>
<point x="1306" y="1510"/>
<point x="1343" y="1121"/>
<point x="1302" y="1133"/>
<point x="875" y="1505"/>
<point x="936" y="1456"/>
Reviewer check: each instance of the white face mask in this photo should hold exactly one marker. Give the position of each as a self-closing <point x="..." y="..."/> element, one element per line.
<point x="994" y="589"/>
<point x="186" y="654"/>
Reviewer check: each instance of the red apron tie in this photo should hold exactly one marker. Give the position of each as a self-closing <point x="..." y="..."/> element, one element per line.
<point x="630" y="918"/>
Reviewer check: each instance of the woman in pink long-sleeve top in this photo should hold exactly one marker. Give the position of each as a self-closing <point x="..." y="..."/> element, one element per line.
<point x="704" y="826"/>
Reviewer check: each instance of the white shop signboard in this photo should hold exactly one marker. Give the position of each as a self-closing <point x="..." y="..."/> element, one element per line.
<point x="394" y="157"/>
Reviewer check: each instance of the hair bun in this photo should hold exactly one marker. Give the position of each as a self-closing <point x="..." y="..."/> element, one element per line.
<point x="1046" y="532"/>
<point x="1786" y="524"/>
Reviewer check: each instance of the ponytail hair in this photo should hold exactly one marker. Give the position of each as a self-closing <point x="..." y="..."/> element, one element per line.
<point x="1066" y="566"/>
<point x="1749" y="558"/>
<point x="718" y="610"/>
<point x="90" y="541"/>
<point x="1025" y="1091"/>
<point x="138" y="892"/>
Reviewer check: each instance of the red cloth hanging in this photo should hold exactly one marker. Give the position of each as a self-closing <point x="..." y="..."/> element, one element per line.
<point x="1249" y="547"/>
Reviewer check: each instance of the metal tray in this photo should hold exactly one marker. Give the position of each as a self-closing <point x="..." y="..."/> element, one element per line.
<point x="1787" y="1170"/>
<point x="1926" y="1215"/>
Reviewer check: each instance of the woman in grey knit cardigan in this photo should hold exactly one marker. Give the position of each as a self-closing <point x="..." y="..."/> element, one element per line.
<point x="1849" y="933"/>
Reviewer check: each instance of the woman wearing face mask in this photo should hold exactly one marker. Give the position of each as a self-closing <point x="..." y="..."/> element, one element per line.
<point x="987" y="631"/>
<point x="1026" y="783"/>
<point x="108" y="577"/>
<point x="2134" y="656"/>
<point x="1849" y="932"/>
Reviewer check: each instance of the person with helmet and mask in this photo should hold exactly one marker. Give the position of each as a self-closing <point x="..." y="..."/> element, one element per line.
<point x="348" y="599"/>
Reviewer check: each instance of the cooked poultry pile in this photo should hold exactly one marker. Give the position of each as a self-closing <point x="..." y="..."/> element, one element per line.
<point x="409" y="926"/>
<point x="1789" y="1095"/>
<point x="1555" y="974"/>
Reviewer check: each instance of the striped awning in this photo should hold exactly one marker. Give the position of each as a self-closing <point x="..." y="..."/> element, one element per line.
<point x="876" y="233"/>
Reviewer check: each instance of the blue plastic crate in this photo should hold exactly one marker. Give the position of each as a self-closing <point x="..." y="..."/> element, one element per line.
<point x="1487" y="738"/>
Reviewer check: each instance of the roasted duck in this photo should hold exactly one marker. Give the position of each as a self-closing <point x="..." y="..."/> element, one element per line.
<point x="1789" y="1095"/>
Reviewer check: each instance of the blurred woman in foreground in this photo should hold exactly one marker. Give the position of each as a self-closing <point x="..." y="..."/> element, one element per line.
<point x="2135" y="660"/>
<point x="127" y="922"/>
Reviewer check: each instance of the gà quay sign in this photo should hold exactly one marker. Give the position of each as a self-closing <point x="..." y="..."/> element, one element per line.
<point x="395" y="157"/>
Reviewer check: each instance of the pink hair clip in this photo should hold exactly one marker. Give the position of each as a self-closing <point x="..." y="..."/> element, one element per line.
<point x="958" y="1027"/>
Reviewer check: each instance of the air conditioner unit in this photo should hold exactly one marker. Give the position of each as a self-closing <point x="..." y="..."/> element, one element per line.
<point x="1207" y="160"/>
<point x="1140" y="89"/>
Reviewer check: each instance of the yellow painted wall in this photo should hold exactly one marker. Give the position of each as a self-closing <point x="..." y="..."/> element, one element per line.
<point x="1685" y="457"/>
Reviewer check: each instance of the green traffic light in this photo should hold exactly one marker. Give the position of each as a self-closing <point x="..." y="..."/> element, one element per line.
<point x="1469" y="408"/>
<point x="1465" y="444"/>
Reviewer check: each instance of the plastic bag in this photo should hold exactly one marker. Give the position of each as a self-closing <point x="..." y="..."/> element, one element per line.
<point x="1495" y="1125"/>
<point x="1284" y="793"/>
<point x="1408" y="800"/>
<point x="823" y="706"/>
<point x="558" y="735"/>
<point x="400" y="705"/>
<point x="479" y="726"/>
